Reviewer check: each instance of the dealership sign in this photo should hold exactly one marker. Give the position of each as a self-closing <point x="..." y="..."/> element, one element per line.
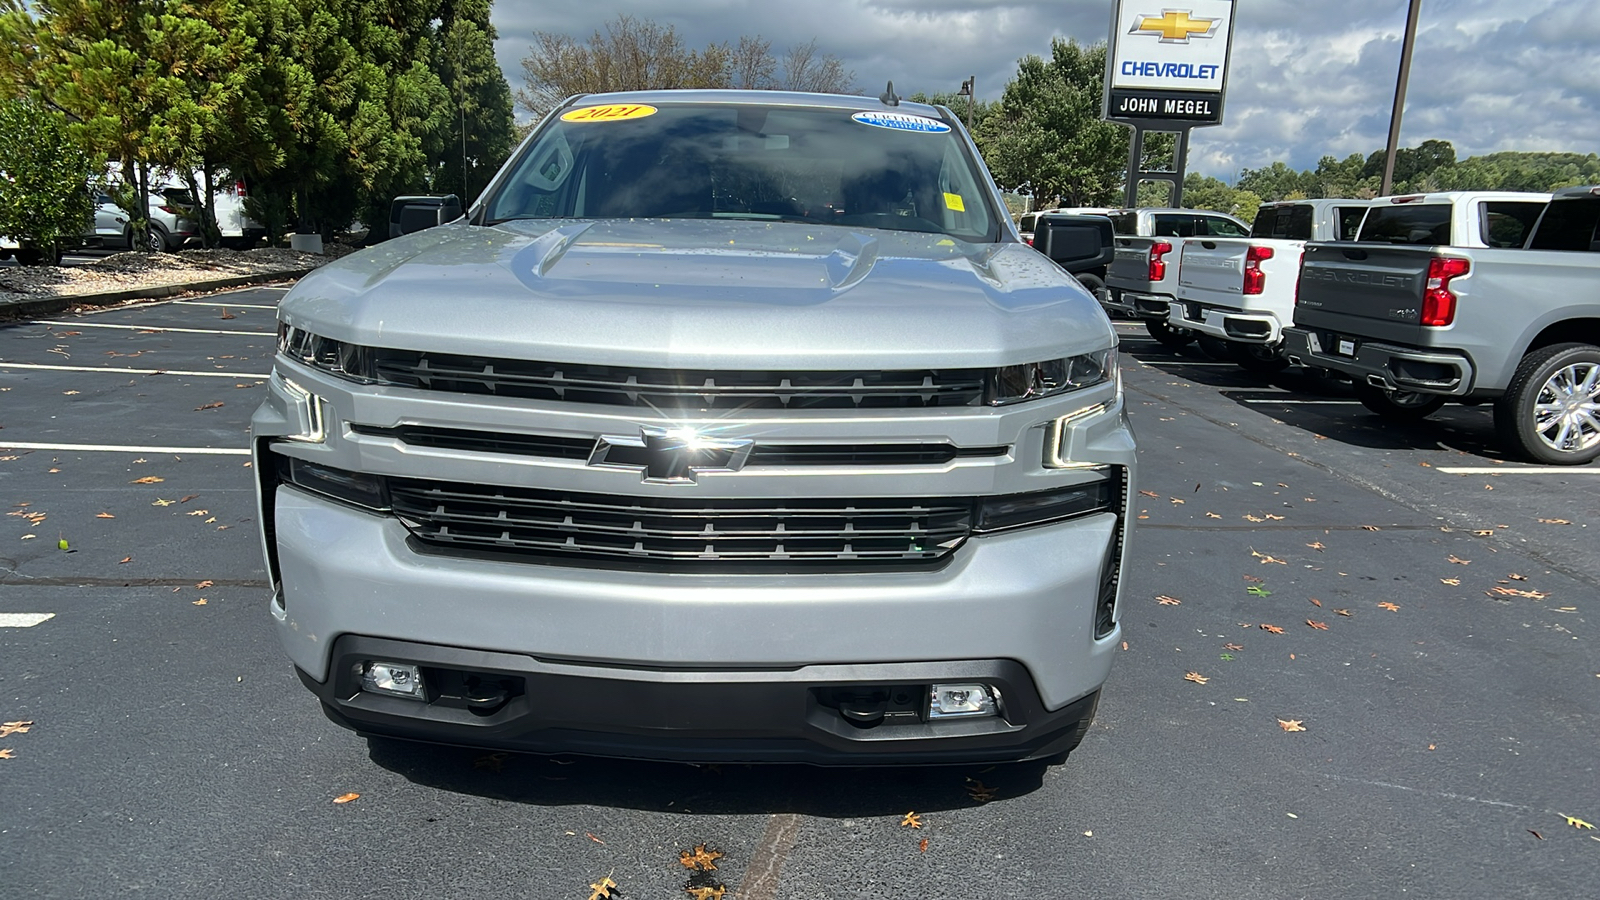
<point x="1168" y="62"/>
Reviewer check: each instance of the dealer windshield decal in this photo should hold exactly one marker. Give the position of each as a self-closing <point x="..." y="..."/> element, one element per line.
<point x="611" y="112"/>
<point x="901" y="122"/>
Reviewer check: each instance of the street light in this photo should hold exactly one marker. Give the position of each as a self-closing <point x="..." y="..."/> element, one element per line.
<point x="969" y="89"/>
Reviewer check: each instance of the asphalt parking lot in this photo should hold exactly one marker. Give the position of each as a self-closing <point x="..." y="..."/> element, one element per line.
<point x="1418" y="605"/>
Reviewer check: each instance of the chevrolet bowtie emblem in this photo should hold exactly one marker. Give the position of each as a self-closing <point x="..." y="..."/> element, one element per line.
<point x="669" y="455"/>
<point x="1175" y="26"/>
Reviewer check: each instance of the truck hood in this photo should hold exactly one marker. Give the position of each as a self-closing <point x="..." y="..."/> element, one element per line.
<point x="703" y="294"/>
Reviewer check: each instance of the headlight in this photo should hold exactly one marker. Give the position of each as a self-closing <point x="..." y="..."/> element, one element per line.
<point x="1031" y="381"/>
<point x="331" y="356"/>
<point x="356" y="488"/>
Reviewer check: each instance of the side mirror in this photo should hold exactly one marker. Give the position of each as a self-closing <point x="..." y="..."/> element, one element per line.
<point x="1076" y="243"/>
<point x="417" y="216"/>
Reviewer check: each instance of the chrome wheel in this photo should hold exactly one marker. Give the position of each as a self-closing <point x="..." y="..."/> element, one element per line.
<point x="1566" y="412"/>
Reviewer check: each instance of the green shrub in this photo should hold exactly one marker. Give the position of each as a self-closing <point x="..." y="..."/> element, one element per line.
<point x="44" y="179"/>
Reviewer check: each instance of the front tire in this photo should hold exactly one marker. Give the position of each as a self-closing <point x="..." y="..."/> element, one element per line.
<point x="1261" y="359"/>
<point x="1167" y="336"/>
<point x="1398" y="406"/>
<point x="1550" y="412"/>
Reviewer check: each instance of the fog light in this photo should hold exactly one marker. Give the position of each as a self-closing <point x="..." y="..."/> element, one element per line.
<point x="394" y="679"/>
<point x="950" y="700"/>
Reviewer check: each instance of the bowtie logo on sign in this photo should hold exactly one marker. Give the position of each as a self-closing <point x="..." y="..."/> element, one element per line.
<point x="1175" y="26"/>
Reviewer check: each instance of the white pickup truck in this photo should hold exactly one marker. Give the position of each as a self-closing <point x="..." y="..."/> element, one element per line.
<point x="1143" y="274"/>
<point x="1241" y="290"/>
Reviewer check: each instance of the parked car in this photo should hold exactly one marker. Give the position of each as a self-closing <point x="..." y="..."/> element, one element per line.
<point x="170" y="225"/>
<point x="1454" y="219"/>
<point x="1416" y="325"/>
<point x="1142" y="279"/>
<point x="1026" y="222"/>
<point x="235" y="228"/>
<point x="745" y="444"/>
<point x="1241" y="290"/>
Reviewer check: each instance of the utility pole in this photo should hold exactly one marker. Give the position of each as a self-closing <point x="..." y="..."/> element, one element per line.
<point x="969" y="90"/>
<point x="1400" y="97"/>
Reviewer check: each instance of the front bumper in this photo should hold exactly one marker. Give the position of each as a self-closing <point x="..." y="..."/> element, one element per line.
<point x="1237" y="325"/>
<point x="787" y="715"/>
<point x="1387" y="366"/>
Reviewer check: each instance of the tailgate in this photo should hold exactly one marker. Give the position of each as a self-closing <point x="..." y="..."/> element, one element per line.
<point x="1213" y="265"/>
<point x="1374" y="290"/>
<point x="1130" y="267"/>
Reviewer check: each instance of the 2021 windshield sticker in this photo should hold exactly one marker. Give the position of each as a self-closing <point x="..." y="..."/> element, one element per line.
<point x="901" y="122"/>
<point x="611" y="112"/>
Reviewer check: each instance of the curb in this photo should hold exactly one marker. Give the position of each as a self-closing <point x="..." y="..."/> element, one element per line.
<point x="44" y="306"/>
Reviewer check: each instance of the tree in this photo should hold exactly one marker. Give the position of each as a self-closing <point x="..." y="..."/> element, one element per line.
<point x="44" y="180"/>
<point x="632" y="54"/>
<point x="481" y="131"/>
<point x="1048" y="131"/>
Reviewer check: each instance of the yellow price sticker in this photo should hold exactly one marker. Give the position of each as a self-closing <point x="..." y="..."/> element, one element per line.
<point x="954" y="203"/>
<point x="611" y="112"/>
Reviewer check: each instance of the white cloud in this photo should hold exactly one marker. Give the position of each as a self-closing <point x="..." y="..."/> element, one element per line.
<point x="1309" y="79"/>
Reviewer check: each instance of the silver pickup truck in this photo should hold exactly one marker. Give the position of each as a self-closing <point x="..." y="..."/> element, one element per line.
<point x="1416" y="326"/>
<point x="1142" y="279"/>
<point x="724" y="426"/>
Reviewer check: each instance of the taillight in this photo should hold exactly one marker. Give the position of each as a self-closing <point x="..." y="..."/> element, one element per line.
<point x="1029" y="240"/>
<point x="1158" y="266"/>
<point x="238" y="188"/>
<point x="167" y="209"/>
<point x="1255" y="280"/>
<point x="1438" y="303"/>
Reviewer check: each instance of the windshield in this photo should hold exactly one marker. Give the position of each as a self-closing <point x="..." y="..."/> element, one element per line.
<point x="749" y="161"/>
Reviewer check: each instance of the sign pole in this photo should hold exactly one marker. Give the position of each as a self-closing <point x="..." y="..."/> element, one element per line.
<point x="1400" y="98"/>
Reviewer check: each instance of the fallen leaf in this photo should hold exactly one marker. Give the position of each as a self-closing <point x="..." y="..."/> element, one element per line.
<point x="1233" y="646"/>
<point x="1389" y="606"/>
<point x="1458" y="561"/>
<point x="226" y="314"/>
<point x="200" y="602"/>
<point x="1342" y="612"/>
<point x="591" y="837"/>
<point x="69" y="393"/>
<point x="125" y="559"/>
<point x="1450" y="581"/>
<point x="346" y="798"/>
<point x="205" y="584"/>
<point x="7" y="754"/>
<point x="1513" y="592"/>
<point x="63" y="544"/>
<point x="1555" y="521"/>
<point x="1271" y="629"/>
<point x="1254" y="580"/>
<point x="9" y="728"/>
<point x="713" y="892"/>
<point x="1483" y="532"/>
<point x="1124" y="645"/>
<point x="1196" y="677"/>
<point x="1274" y="518"/>
<point x="1515" y="577"/>
<point x="198" y="512"/>
<point x="911" y="820"/>
<point x="492" y="762"/>
<point x="1430" y="746"/>
<point x="1320" y="626"/>
<point x="1225" y="657"/>
<point x="923" y="846"/>
<point x="701" y="860"/>
<point x="214" y="405"/>
<point x="1212" y="515"/>
<point x="1291" y="725"/>
<point x="1175" y="501"/>
<point x="208" y="521"/>
<point x="1164" y="600"/>
<point x="979" y="791"/>
<point x="1250" y="518"/>
<point x="29" y="537"/>
<point x="1575" y="822"/>
<point x="163" y="503"/>
<point x="1535" y="833"/>
<point x="104" y="515"/>
<point x="1370" y="528"/>
<point x="1272" y="559"/>
<point x="602" y="890"/>
<point x="1149" y="494"/>
<point x="148" y="479"/>
<point x="1315" y="602"/>
<point x="1256" y="590"/>
<point x="1317" y="546"/>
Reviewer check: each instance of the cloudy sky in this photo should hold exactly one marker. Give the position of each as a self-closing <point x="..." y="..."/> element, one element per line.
<point x="1309" y="77"/>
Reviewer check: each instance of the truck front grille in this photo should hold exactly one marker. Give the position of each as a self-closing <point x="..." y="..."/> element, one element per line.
<point x="721" y="534"/>
<point x="676" y="388"/>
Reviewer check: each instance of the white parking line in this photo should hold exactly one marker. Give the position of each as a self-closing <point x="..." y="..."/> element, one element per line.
<point x="24" y="620"/>
<point x="122" y="371"/>
<point x="82" y="324"/>
<point x="120" y="448"/>
<point x="231" y="305"/>
<point x="1308" y="402"/>
<point x="1515" y="470"/>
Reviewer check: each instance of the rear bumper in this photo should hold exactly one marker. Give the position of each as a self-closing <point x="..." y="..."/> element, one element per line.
<point x="1237" y="325"/>
<point x="696" y="716"/>
<point x="1135" y="303"/>
<point x="1388" y="366"/>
